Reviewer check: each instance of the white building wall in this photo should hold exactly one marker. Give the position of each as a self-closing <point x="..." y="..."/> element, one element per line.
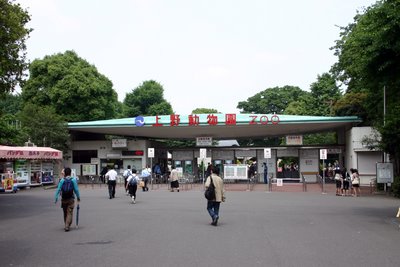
<point x="105" y="150"/>
<point x="360" y="157"/>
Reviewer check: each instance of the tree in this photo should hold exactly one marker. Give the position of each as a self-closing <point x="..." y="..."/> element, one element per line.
<point x="204" y="111"/>
<point x="319" y="102"/>
<point x="369" y="61"/>
<point x="72" y="86"/>
<point x="146" y="99"/>
<point x="10" y="104"/>
<point x="352" y="104"/>
<point x="271" y="100"/>
<point x="11" y="133"/>
<point x="13" y="35"/>
<point x="46" y="128"/>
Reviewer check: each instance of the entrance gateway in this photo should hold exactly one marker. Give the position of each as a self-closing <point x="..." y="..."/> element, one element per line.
<point x="91" y="143"/>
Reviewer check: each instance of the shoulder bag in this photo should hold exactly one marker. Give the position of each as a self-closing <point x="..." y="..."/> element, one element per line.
<point x="210" y="191"/>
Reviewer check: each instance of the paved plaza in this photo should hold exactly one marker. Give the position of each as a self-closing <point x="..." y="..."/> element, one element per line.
<point x="256" y="228"/>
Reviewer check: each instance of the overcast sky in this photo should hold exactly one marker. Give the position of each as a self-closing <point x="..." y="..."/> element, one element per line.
<point x="204" y="53"/>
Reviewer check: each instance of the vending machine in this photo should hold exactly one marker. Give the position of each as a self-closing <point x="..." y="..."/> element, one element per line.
<point x="21" y="173"/>
<point x="47" y="172"/>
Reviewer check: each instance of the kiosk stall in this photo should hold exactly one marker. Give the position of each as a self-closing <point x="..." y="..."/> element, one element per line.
<point x="29" y="166"/>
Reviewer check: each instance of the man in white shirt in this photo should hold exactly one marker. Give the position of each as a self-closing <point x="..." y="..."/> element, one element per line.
<point x="111" y="176"/>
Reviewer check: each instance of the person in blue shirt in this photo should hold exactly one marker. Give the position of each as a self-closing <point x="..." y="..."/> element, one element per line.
<point x="68" y="193"/>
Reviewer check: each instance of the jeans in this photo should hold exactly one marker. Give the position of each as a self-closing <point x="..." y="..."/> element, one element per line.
<point x="213" y="208"/>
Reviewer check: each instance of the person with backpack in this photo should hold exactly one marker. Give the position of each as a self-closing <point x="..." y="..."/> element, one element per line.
<point x="131" y="185"/>
<point x="213" y="205"/>
<point x="126" y="174"/>
<point x="67" y="187"/>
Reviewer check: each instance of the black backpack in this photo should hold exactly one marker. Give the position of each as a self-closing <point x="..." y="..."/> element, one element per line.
<point x="67" y="189"/>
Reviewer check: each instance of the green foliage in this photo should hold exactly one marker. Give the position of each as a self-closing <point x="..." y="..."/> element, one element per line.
<point x="204" y="111"/>
<point x="11" y="133"/>
<point x="390" y="132"/>
<point x="369" y="55"/>
<point x="13" y="35"/>
<point x="146" y="100"/>
<point x="46" y="128"/>
<point x="396" y="186"/>
<point x="72" y="86"/>
<point x="369" y="61"/>
<point x="271" y="100"/>
<point x="320" y="139"/>
<point x="10" y="104"/>
<point x="319" y="102"/>
<point x="352" y="104"/>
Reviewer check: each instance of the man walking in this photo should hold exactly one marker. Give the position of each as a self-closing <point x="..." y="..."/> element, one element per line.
<point x="111" y="175"/>
<point x="67" y="186"/>
<point x="213" y="205"/>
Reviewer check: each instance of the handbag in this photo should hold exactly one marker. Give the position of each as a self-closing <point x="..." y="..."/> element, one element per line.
<point x="210" y="191"/>
<point x="356" y="181"/>
<point x="141" y="183"/>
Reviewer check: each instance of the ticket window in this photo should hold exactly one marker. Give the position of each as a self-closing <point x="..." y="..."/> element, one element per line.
<point x="188" y="167"/>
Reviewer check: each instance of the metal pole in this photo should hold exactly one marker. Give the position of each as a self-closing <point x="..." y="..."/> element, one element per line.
<point x="323" y="177"/>
<point x="151" y="172"/>
<point x="384" y="122"/>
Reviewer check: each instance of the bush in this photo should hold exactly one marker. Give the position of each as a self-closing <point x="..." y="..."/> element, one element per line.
<point x="396" y="187"/>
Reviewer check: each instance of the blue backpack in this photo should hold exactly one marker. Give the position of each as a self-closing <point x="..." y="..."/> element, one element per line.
<point x="67" y="189"/>
<point x="133" y="181"/>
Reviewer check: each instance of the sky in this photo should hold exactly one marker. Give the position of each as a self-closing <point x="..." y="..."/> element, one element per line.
<point x="205" y="53"/>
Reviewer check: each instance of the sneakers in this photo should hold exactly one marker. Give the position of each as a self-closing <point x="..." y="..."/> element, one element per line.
<point x="215" y="220"/>
<point x="66" y="229"/>
<point x="133" y="200"/>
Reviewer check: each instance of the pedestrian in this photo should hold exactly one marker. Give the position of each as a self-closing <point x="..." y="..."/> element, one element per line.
<point x="174" y="179"/>
<point x="157" y="172"/>
<point x="338" y="181"/>
<point x="68" y="187"/>
<point x="131" y="185"/>
<point x="111" y="176"/>
<point x="126" y="174"/>
<point x="265" y="172"/>
<point x="355" y="183"/>
<point x="346" y="182"/>
<point x="213" y="205"/>
<point x="103" y="174"/>
<point x="209" y="169"/>
<point x="146" y="175"/>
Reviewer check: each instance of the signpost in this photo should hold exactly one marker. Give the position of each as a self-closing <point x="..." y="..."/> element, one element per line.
<point x="203" y="155"/>
<point x="267" y="155"/>
<point x="323" y="154"/>
<point x="150" y="154"/>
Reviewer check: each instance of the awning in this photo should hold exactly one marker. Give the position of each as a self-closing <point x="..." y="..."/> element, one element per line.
<point x="27" y="152"/>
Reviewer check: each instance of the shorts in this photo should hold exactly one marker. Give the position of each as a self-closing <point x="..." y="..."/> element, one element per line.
<point x="346" y="185"/>
<point x="356" y="185"/>
<point x="338" y="184"/>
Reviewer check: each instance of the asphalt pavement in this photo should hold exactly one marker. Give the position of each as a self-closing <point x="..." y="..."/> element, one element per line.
<point x="173" y="229"/>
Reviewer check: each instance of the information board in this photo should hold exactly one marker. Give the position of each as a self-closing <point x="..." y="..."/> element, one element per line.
<point x="384" y="172"/>
<point x="235" y="171"/>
